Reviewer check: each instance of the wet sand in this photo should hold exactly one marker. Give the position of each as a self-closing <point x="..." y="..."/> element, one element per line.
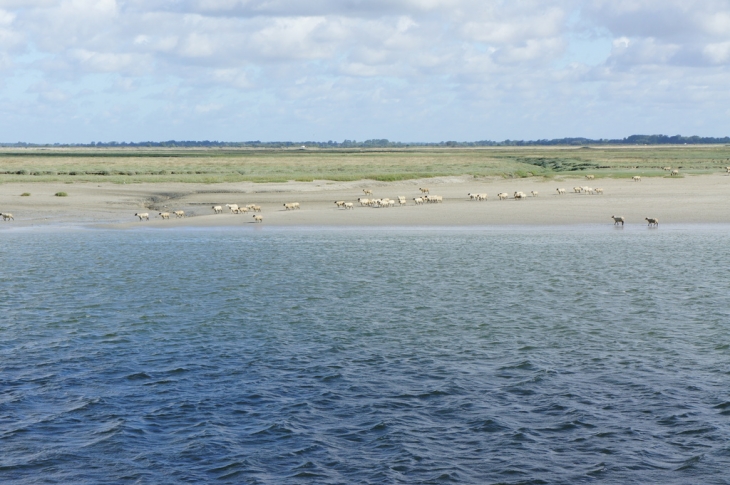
<point x="686" y="199"/>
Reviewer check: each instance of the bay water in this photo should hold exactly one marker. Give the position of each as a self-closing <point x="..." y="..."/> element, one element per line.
<point x="515" y="355"/>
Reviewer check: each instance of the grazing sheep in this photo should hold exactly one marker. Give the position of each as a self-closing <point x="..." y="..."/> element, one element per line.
<point x="143" y="215"/>
<point x="165" y="215"/>
<point x="599" y="191"/>
<point x="636" y="178"/>
<point x="179" y="214"/>
<point x="617" y="219"/>
<point x="674" y="172"/>
<point x="577" y="190"/>
<point x="258" y="218"/>
<point x="590" y="177"/>
<point x="349" y="205"/>
<point x="340" y="203"/>
<point x="503" y="195"/>
<point x="652" y="221"/>
<point x="560" y="191"/>
<point x="217" y="209"/>
<point x="401" y="200"/>
<point x="424" y="190"/>
<point x="368" y="191"/>
<point x="418" y="200"/>
<point x="7" y="216"/>
<point x="288" y="207"/>
<point x="534" y="193"/>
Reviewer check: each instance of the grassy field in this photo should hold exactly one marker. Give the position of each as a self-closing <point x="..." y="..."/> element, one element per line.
<point x="133" y="165"/>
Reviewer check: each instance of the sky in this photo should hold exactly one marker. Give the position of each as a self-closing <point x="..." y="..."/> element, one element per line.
<point x="76" y="71"/>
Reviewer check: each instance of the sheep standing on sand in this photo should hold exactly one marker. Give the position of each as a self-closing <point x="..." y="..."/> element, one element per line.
<point x="424" y="190"/>
<point x="233" y="208"/>
<point x="666" y="169"/>
<point x="340" y="203"/>
<point x="143" y="215"/>
<point x="520" y="195"/>
<point x="577" y="190"/>
<point x="349" y="205"/>
<point x="363" y="202"/>
<point x="590" y="177"/>
<point x="599" y="191"/>
<point x="217" y="209"/>
<point x="165" y="215"/>
<point x="7" y="216"/>
<point x="368" y="191"/>
<point x="617" y="219"/>
<point x="179" y="214"/>
<point x="636" y="178"/>
<point x="652" y="221"/>
<point x="560" y="191"/>
<point x="258" y="218"/>
<point x="401" y="200"/>
<point x="503" y="195"/>
<point x="588" y="190"/>
<point x="288" y="207"/>
<point x="418" y="200"/>
<point x="674" y="172"/>
<point x="534" y="193"/>
<point x="472" y="196"/>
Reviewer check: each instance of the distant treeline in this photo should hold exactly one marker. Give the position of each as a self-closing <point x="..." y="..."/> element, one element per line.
<point x="384" y="143"/>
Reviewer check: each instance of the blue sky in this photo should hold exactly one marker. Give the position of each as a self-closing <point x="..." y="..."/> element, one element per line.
<point x="406" y="70"/>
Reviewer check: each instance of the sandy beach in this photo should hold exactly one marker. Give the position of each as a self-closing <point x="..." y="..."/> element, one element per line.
<point x="686" y="199"/>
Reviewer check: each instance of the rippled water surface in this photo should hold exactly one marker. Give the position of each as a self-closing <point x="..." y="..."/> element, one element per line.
<point x="524" y="355"/>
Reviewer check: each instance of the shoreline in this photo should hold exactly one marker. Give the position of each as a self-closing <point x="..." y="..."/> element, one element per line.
<point x="693" y="199"/>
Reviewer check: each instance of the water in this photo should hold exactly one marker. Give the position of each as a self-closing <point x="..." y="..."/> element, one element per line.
<point x="524" y="355"/>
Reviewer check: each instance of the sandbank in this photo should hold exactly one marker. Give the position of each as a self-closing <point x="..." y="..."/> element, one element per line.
<point x="684" y="199"/>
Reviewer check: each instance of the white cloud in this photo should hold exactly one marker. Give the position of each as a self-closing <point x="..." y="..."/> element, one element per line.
<point x="351" y="68"/>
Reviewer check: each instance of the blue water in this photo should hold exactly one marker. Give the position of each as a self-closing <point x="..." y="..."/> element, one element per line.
<point x="582" y="354"/>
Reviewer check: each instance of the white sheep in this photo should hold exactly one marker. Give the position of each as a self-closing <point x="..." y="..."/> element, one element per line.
<point x="472" y="196"/>
<point x="590" y="177"/>
<point x="520" y="195"/>
<point x="233" y="208"/>
<point x="179" y="214"/>
<point x="599" y="191"/>
<point x="636" y="178"/>
<point x="577" y="190"/>
<point x="7" y="216"/>
<point x="363" y="202"/>
<point x="143" y="215"/>
<point x="340" y="203"/>
<point x="255" y="208"/>
<point x="652" y="221"/>
<point x="534" y="193"/>
<point x="349" y="205"/>
<point x="165" y="215"/>
<point x="418" y="200"/>
<point x="560" y="191"/>
<point x="401" y="200"/>
<point x="424" y="190"/>
<point x="217" y="209"/>
<point x="674" y="172"/>
<point x="258" y="218"/>
<point x="482" y="197"/>
<point x="666" y="168"/>
<point x="503" y="195"/>
<point x="368" y="191"/>
<point x="588" y="190"/>
<point x="436" y="199"/>
<point x="289" y="207"/>
<point x="617" y="219"/>
<point x="296" y="205"/>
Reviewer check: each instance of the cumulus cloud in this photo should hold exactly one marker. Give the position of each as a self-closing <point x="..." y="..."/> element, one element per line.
<point x="401" y="69"/>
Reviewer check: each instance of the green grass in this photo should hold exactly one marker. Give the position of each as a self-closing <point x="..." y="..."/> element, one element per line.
<point x="208" y="166"/>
